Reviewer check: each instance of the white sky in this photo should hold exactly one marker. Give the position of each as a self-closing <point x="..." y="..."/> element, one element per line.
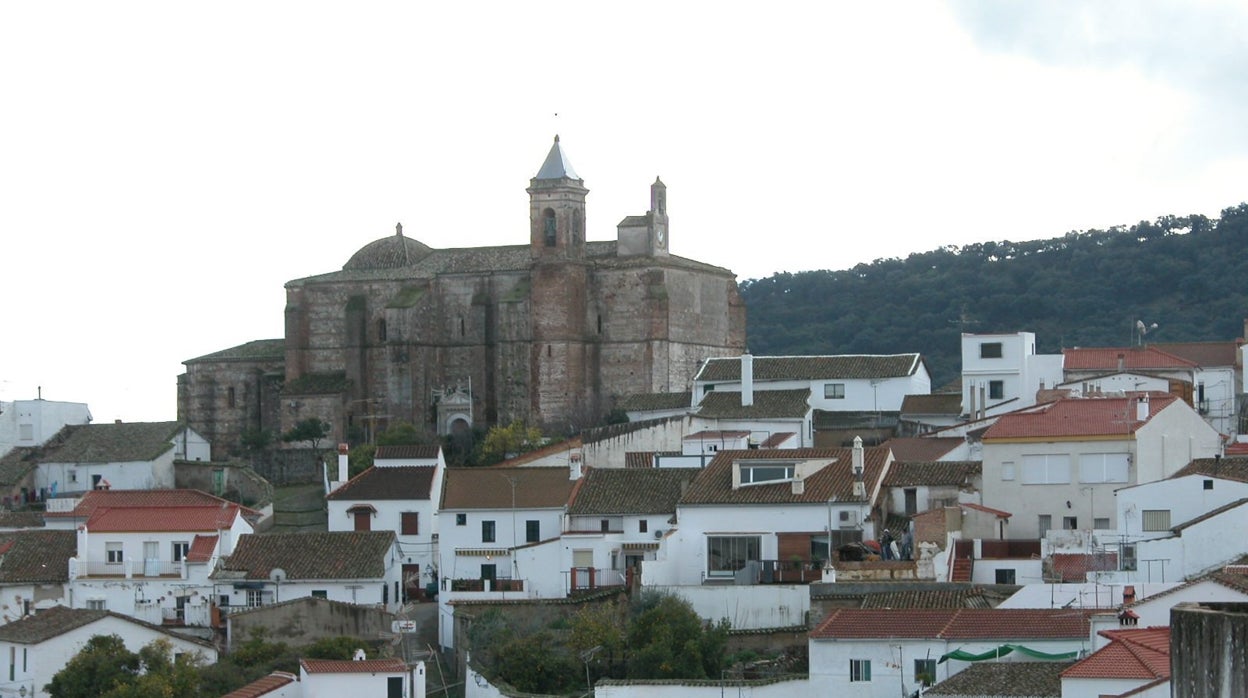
<point x="166" y="167"/>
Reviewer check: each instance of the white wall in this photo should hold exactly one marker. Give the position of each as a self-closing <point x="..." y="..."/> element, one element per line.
<point x="1185" y="498"/>
<point x="753" y="607"/>
<point x="33" y="422"/>
<point x="1156" y="612"/>
<point x="1025" y="571"/>
<point x="135" y="475"/>
<point x="419" y="549"/>
<point x="355" y="683"/>
<point x="1094" y="688"/>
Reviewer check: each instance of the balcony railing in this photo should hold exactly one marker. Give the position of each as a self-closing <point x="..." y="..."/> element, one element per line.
<point x="582" y="579"/>
<point x="132" y="568"/>
<point x="483" y="585"/>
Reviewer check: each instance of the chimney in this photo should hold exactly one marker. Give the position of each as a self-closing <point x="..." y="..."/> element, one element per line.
<point x="342" y="462"/>
<point x="1128" y="595"/>
<point x="857" y="467"/>
<point x="983" y="401"/>
<point x="799" y="486"/>
<point x="747" y="380"/>
<point x="1141" y="408"/>
<point x="970" y="409"/>
<point x="1122" y="362"/>
<point x="574" y="466"/>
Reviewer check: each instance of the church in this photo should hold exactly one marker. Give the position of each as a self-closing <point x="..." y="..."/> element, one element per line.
<point x="550" y="332"/>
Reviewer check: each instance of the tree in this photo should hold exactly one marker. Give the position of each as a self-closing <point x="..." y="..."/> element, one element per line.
<point x="666" y="640"/>
<point x="313" y="430"/>
<point x="505" y="442"/>
<point x="103" y="664"/>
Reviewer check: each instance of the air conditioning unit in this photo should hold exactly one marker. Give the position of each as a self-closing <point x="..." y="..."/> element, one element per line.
<point x="658" y="534"/>
<point x="849" y="519"/>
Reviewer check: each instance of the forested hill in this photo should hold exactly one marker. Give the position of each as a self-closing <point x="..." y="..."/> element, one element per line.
<point x="1189" y="275"/>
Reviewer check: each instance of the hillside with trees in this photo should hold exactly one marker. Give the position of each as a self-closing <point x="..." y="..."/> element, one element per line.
<point x="1186" y="274"/>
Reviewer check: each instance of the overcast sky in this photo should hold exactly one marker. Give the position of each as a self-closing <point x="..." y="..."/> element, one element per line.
<point x="166" y="167"/>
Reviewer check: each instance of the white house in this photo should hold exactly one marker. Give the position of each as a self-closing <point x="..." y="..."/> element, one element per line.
<point x="29" y="423"/>
<point x="123" y="456"/>
<point x="334" y="678"/>
<point x="359" y="567"/>
<point x="37" y="647"/>
<point x="882" y="653"/>
<point x="1131" y="661"/>
<point x="767" y="513"/>
<point x="399" y="493"/>
<point x="1002" y="372"/>
<point x="34" y="571"/>
<point x="499" y="535"/>
<point x="151" y="560"/>
<point x="1057" y="465"/>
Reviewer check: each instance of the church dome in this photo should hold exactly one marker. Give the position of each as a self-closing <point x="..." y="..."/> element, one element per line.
<point x="388" y="253"/>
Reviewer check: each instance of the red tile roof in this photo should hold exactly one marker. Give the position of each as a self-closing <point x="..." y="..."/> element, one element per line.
<point x="954" y="624"/>
<point x="410" y="452"/>
<point x="1106" y="359"/>
<point x="142" y="498"/>
<point x="388" y="482"/>
<point x="952" y="473"/>
<point x="183" y="518"/>
<point x="1074" y="567"/>
<point x="348" y="666"/>
<point x="777" y="439"/>
<point x="713" y="485"/>
<point x="1224" y="468"/>
<point x="1207" y="354"/>
<point x="1075" y="417"/>
<point x="1136" y="653"/>
<point x="987" y="510"/>
<point x="263" y="686"/>
<point x="492" y="488"/>
<point x="923" y="449"/>
<point x="201" y="548"/>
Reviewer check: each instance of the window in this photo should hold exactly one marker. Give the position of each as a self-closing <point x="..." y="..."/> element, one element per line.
<point x="1155" y="520"/>
<point x="26" y="432"/>
<point x="489" y="571"/>
<point x="112" y="553"/>
<point x="1208" y="484"/>
<point x="1005" y="576"/>
<point x="834" y="391"/>
<point x="548" y="227"/>
<point x="73" y="477"/>
<point x="604" y="525"/>
<point x="990" y="350"/>
<point x="1007" y="470"/>
<point x="381" y="330"/>
<point x="461" y="519"/>
<point x="1103" y="467"/>
<point x="773" y="472"/>
<point x="996" y="390"/>
<point x="394" y="687"/>
<point x="1128" y="557"/>
<point x="230" y="396"/>
<point x="409" y="523"/>
<point x="1046" y="470"/>
<point x="320" y="593"/>
<point x="1070" y="523"/>
<point x="1101" y="523"/>
<point x="180" y="549"/>
<point x="911" y="496"/>
<point x="859" y="670"/>
<point x="925" y="671"/>
<point x="1046" y="523"/>
<point x="255" y="597"/>
<point x="643" y="526"/>
<point x="96" y="605"/>
<point x="727" y="554"/>
<point x="487" y="531"/>
<point x="363" y="520"/>
<point x="532" y="531"/>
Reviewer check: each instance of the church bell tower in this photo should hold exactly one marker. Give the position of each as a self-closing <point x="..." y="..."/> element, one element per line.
<point x="557" y="209"/>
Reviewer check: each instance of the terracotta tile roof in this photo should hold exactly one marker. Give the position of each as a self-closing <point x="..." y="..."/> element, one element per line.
<point x="1206" y="354"/>
<point x="954" y="624"/>
<point x="1013" y="679"/>
<point x="37" y="556"/>
<point x="110" y="443"/>
<point x="492" y="488"/>
<point x="409" y="451"/>
<point x="987" y="510"/>
<point x="768" y="404"/>
<point x="655" y="401"/>
<point x="923" y="449"/>
<point x="614" y="491"/>
<point x="559" y="448"/>
<point x="1225" y="468"/>
<point x="17" y="464"/>
<point x="398" y="483"/>
<point x="1076" y="417"/>
<point x="836" y="420"/>
<point x="315" y="555"/>
<point x="58" y="620"/>
<point x="21" y="519"/>
<point x="183" y="518"/>
<point x="346" y="666"/>
<point x="1133" y="358"/>
<point x="256" y="350"/>
<point x="777" y="439"/>
<point x="952" y="473"/>
<point x="789" y="368"/>
<point x="142" y="498"/>
<point x="932" y="404"/>
<point x="1074" y="567"/>
<point x="263" y="685"/>
<point x="639" y="459"/>
<point x="713" y="485"/>
<point x="1230" y="580"/>
<point x="1237" y="448"/>
<point x="202" y="548"/>
<point x="929" y="599"/>
<point x="1136" y="653"/>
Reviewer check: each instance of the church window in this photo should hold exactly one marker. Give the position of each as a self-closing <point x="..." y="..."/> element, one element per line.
<point x="599" y="324"/>
<point x="548" y="223"/>
<point x="381" y="330"/>
<point x="461" y="327"/>
<point x="229" y="396"/>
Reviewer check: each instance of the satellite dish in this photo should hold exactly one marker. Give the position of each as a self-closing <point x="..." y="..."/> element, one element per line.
<point x="277" y="575"/>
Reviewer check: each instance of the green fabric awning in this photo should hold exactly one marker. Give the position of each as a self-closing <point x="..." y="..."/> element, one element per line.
<point x="1004" y="650"/>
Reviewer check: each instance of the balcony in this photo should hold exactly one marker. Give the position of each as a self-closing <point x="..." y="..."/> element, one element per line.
<point x="130" y="569"/>
<point x="486" y="585"/>
<point x="580" y="580"/>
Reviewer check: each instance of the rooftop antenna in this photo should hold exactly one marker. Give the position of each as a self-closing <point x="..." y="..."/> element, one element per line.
<point x="1141" y="329"/>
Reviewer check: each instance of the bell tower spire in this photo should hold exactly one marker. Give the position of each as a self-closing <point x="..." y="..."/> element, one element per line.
<point x="557" y="208"/>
